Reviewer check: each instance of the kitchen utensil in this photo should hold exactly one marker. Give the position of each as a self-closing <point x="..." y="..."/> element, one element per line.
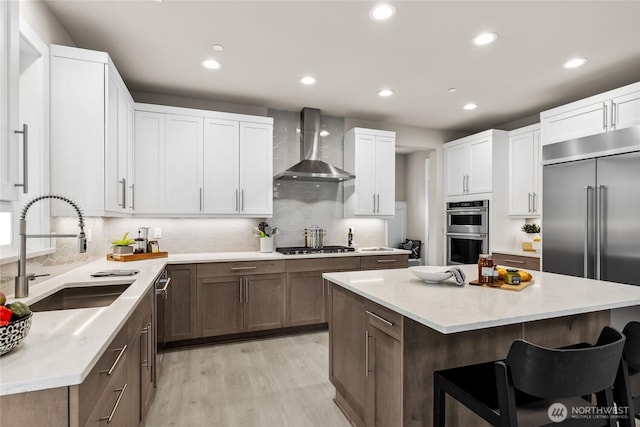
<point x="314" y="237"/>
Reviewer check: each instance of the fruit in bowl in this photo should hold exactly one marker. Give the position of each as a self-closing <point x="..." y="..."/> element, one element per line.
<point x="15" y="322"/>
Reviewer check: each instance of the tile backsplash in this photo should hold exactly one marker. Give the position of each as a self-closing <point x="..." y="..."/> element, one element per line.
<point x="296" y="206"/>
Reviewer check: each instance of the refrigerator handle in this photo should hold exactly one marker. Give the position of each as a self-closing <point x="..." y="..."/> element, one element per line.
<point x="599" y="190"/>
<point x="586" y="233"/>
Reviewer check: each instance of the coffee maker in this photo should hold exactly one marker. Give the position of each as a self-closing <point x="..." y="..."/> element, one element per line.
<point x="142" y="242"/>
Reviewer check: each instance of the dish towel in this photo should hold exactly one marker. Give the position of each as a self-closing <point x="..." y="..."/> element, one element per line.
<point x="458" y="275"/>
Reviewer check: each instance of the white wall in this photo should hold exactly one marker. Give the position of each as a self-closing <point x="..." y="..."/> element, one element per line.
<point x="40" y="18"/>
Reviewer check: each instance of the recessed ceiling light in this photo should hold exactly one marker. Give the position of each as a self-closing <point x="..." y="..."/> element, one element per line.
<point x="382" y="12"/>
<point x="385" y="92"/>
<point x="575" y="62"/>
<point x="217" y="47"/>
<point x="211" y="64"/>
<point x="307" y="80"/>
<point x="484" y="39"/>
<point x="324" y="133"/>
<point x="452" y="89"/>
<point x="470" y="106"/>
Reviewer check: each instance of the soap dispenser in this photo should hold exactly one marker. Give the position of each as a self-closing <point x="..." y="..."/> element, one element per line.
<point x="350" y="238"/>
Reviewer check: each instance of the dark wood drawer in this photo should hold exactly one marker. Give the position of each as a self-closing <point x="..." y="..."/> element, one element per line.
<point x="111" y="407"/>
<point x="324" y="265"/>
<point x="92" y="387"/>
<point x="384" y="261"/>
<point x="516" y="261"/>
<point x="388" y="321"/>
<point x="240" y="268"/>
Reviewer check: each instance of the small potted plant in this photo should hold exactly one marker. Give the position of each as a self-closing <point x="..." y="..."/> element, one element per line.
<point x="531" y="241"/>
<point x="123" y="246"/>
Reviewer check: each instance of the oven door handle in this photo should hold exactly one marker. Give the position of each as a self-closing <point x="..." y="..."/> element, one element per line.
<point x="464" y="210"/>
<point x="466" y="235"/>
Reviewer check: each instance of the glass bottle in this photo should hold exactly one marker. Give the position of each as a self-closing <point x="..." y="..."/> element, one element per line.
<point x="487" y="270"/>
<point x="481" y="259"/>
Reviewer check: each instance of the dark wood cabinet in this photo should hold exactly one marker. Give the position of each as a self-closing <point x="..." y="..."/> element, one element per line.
<point x="381" y="262"/>
<point x="516" y="261"/>
<point x="180" y="321"/>
<point x="264" y="302"/>
<point x="220" y="305"/>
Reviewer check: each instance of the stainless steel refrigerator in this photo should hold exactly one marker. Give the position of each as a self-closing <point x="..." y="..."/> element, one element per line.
<point x="591" y="207"/>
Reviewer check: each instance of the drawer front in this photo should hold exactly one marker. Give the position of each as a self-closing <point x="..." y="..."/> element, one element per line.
<point x="140" y="315"/>
<point x="240" y="268"/>
<point x="515" y="261"/>
<point x="111" y="407"/>
<point x="324" y="265"/>
<point x="388" y="321"/>
<point x="384" y="261"/>
<point x="92" y="387"/>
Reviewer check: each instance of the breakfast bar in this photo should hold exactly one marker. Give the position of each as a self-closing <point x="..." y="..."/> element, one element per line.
<point x="389" y="331"/>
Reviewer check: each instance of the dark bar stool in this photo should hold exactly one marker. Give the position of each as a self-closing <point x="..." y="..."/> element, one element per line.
<point x="527" y="387"/>
<point x="627" y="385"/>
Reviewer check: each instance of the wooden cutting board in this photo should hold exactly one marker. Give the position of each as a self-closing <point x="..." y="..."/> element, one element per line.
<point x="137" y="257"/>
<point x="503" y="285"/>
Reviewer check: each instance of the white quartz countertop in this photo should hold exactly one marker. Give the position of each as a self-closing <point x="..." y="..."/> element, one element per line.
<point x="518" y="252"/>
<point x="63" y="346"/>
<point x="449" y="308"/>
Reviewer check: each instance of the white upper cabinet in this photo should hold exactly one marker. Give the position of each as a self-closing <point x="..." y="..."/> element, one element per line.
<point x="194" y="162"/>
<point x="9" y="88"/>
<point x="468" y="163"/>
<point x="616" y="109"/>
<point x="89" y="161"/>
<point x="370" y="155"/>
<point x="525" y="172"/>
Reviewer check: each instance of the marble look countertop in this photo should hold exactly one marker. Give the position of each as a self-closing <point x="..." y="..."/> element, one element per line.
<point x="449" y="308"/>
<point x="63" y="346"/>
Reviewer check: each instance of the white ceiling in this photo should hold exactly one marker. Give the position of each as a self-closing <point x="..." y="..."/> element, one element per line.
<point x="424" y="50"/>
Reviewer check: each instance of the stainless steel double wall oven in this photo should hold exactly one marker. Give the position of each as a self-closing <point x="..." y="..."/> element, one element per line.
<point x="467" y="231"/>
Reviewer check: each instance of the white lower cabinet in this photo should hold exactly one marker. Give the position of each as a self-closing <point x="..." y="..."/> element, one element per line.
<point x="190" y="162"/>
<point x="525" y="175"/>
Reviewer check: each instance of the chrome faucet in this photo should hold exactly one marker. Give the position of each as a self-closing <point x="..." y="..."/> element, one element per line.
<point x="22" y="280"/>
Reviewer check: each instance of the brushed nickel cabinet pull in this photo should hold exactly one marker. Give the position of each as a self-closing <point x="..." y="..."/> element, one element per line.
<point x="585" y="264"/>
<point x="515" y="261"/>
<point x="115" y="406"/>
<point x="604" y="116"/>
<point x="115" y="363"/>
<point x="133" y="196"/>
<point x="243" y="268"/>
<point x="25" y="158"/>
<point x="366" y="353"/>
<point x="381" y="261"/>
<point x="613" y="115"/>
<point x="241" y="288"/>
<point x="382" y="319"/>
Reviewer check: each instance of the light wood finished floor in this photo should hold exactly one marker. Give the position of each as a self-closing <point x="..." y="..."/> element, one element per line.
<point x="270" y="382"/>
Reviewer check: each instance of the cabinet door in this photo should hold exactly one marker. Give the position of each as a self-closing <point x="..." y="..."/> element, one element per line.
<point x="117" y="149"/>
<point x="385" y="176"/>
<point x="305" y="298"/>
<point x="146" y="364"/>
<point x="480" y="166"/>
<point x="220" y="305"/>
<point x="365" y="171"/>
<point x="625" y="111"/>
<point x="148" y="141"/>
<point x="180" y="306"/>
<point x="264" y="301"/>
<point x="455" y="166"/>
<point x="135" y="351"/>
<point x="221" y="166"/>
<point x="384" y="379"/>
<point x="583" y="120"/>
<point x="347" y="342"/>
<point x="522" y="175"/>
<point x="181" y="160"/>
<point x="9" y="52"/>
<point x="256" y="169"/>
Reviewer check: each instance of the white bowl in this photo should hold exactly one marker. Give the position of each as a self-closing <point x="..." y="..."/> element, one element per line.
<point x="429" y="276"/>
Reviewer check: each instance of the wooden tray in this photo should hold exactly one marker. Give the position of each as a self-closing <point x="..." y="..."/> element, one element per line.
<point x="137" y="257"/>
<point x="503" y="285"/>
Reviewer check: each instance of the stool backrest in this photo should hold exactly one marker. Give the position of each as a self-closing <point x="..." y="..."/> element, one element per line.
<point x="632" y="346"/>
<point x="557" y="373"/>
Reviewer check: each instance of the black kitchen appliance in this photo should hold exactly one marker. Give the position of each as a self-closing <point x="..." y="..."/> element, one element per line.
<point x="302" y="250"/>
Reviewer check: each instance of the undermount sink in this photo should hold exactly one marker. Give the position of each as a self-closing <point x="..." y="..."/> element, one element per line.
<point x="375" y="249"/>
<point x="81" y="295"/>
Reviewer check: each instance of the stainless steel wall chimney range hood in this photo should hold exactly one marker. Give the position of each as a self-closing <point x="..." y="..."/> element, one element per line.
<point x="310" y="167"/>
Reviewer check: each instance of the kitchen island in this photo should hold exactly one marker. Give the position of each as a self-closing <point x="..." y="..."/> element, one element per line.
<point x="388" y="332"/>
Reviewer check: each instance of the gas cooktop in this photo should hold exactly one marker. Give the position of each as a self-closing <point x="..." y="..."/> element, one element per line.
<point x="302" y="250"/>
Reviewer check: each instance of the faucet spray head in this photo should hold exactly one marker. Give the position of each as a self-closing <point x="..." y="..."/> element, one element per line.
<point x="82" y="242"/>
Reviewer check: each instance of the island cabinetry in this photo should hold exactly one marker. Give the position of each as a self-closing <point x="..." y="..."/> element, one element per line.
<point x="235" y="297"/>
<point x="516" y="261"/>
<point x="306" y="292"/>
<point x="370" y="154"/>
<point x="380" y="262"/>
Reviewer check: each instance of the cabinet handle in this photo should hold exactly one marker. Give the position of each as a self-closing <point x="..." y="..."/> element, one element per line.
<point x="604" y="116"/>
<point x="243" y="268"/>
<point x="133" y="196"/>
<point x="529" y="202"/>
<point x="382" y="319"/>
<point x="382" y="261"/>
<point x="25" y="158"/>
<point x="115" y="406"/>
<point x="374" y="202"/>
<point x="515" y="261"/>
<point x="246" y="290"/>
<point x="242" y="200"/>
<point x="200" y="199"/>
<point x="585" y="261"/>
<point x="378" y="202"/>
<point x="163" y="291"/>
<point x="237" y="201"/>
<point x="535" y="202"/>
<point x="613" y="115"/>
<point x="147" y="331"/>
<point x="241" y="288"/>
<point x="366" y="353"/>
<point x="599" y="190"/>
<point x="115" y="363"/>
<point x="123" y="193"/>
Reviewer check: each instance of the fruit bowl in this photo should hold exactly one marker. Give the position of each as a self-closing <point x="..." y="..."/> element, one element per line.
<point x="12" y="333"/>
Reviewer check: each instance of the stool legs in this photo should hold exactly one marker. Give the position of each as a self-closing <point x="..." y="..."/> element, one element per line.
<point x="438" y="402"/>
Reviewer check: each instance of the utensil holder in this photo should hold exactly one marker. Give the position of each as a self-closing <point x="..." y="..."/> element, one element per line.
<point x="266" y="244"/>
